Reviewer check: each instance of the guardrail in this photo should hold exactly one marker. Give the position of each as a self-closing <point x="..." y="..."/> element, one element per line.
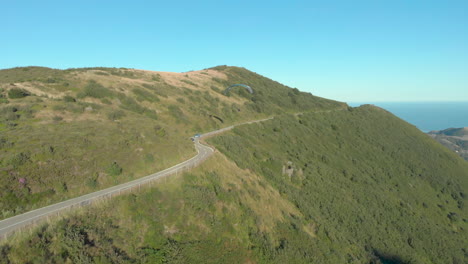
<point x="10" y="225"/>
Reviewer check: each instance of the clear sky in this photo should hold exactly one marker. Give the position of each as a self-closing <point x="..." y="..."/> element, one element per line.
<point x="349" y="50"/>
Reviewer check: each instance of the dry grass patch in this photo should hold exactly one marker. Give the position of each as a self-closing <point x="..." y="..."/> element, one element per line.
<point x="255" y="192"/>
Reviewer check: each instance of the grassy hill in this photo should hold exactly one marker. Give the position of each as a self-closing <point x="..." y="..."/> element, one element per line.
<point x="319" y="183"/>
<point x="370" y="182"/>
<point x="64" y="133"/>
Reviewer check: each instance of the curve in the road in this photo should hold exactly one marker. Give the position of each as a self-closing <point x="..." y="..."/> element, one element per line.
<point x="12" y="224"/>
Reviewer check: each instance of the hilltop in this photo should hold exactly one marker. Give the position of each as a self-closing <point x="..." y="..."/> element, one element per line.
<point x="455" y="139"/>
<point x="320" y="182"/>
<point x="68" y="132"/>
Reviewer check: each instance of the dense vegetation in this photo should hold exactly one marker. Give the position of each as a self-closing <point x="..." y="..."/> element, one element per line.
<point x="68" y="132"/>
<point x="370" y="183"/>
<point x="355" y="185"/>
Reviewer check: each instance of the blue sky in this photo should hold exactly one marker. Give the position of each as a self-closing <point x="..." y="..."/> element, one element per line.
<point x="399" y="50"/>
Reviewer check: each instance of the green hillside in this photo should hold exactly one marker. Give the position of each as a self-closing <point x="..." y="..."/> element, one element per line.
<point x="64" y="133"/>
<point x="319" y="183"/>
<point x="369" y="181"/>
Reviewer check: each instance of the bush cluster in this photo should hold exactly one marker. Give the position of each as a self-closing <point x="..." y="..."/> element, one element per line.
<point x="15" y="93"/>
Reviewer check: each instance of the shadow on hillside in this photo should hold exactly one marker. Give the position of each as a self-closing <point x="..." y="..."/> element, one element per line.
<point x="382" y="258"/>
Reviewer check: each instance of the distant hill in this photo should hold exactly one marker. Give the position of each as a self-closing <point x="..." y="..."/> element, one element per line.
<point x="455" y="139"/>
<point x="456" y="132"/>
<point x="320" y="182"/>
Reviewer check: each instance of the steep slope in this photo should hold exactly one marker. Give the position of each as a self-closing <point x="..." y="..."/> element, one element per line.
<point x="370" y="181"/>
<point x="64" y="133"/>
<point x="338" y="186"/>
<point x="207" y="216"/>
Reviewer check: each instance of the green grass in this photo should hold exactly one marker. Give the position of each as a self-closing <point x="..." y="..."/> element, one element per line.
<point x="83" y="151"/>
<point x="95" y="90"/>
<point x="24" y="74"/>
<point x="144" y="95"/>
<point x="373" y="184"/>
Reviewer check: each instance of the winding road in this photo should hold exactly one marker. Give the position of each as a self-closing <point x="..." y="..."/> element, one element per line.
<point x="10" y="225"/>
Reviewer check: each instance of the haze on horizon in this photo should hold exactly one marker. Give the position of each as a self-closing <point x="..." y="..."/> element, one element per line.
<point x="349" y="51"/>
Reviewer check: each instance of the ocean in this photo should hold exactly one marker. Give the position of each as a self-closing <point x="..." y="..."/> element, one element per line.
<point x="427" y="116"/>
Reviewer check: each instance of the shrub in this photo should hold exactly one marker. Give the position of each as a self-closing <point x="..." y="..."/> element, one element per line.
<point x="160" y="131"/>
<point x="176" y="112"/>
<point x="11" y="115"/>
<point x="189" y="82"/>
<point x="95" y="90"/>
<point x="143" y="95"/>
<point x="68" y="98"/>
<point x="453" y="217"/>
<point x="106" y="101"/>
<point x="4" y="143"/>
<point x="15" y="93"/>
<point x="130" y="104"/>
<point x="19" y="159"/>
<point x="156" y="78"/>
<point x="151" y="114"/>
<point x="114" y="169"/>
<point x="92" y="182"/>
<point x="216" y="89"/>
<point x="116" y="115"/>
<point x="160" y="89"/>
<point x="149" y="158"/>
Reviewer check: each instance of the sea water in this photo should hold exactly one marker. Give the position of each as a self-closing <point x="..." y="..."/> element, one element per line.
<point x="427" y="116"/>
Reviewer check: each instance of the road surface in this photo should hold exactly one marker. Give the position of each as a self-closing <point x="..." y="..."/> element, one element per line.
<point x="9" y="225"/>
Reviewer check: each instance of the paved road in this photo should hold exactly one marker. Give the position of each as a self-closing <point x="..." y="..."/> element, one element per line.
<point x="212" y="133"/>
<point x="9" y="225"/>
